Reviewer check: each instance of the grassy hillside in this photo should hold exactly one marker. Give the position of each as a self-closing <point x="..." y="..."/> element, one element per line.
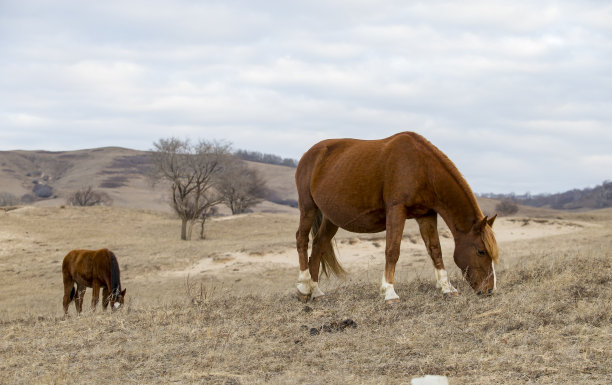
<point x="120" y="172"/>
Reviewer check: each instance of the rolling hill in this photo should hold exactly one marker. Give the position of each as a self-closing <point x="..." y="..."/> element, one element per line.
<point x="120" y="172"/>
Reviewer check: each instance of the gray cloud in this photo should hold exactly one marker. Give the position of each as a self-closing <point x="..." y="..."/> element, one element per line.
<point x="517" y="94"/>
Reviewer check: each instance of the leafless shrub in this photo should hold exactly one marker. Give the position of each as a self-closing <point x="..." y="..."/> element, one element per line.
<point x="506" y="207"/>
<point x="87" y="196"/>
<point x="240" y="187"/>
<point x="198" y="294"/>
<point x="8" y="199"/>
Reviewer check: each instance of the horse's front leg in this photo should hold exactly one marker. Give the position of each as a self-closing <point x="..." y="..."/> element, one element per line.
<point x="396" y="218"/>
<point x="105" y="297"/>
<point x="95" y="295"/>
<point x="78" y="299"/>
<point x="429" y="231"/>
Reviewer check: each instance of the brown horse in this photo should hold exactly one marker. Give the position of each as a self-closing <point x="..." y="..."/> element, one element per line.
<point x="96" y="269"/>
<point x="368" y="186"/>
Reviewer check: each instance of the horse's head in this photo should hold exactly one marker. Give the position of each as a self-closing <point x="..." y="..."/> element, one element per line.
<point x="476" y="253"/>
<point x="117" y="298"/>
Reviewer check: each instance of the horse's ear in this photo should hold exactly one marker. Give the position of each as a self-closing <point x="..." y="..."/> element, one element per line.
<point x="481" y="226"/>
<point x="491" y="220"/>
<point x="123" y="292"/>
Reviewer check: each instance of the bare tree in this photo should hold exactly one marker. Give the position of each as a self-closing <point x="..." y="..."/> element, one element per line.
<point x="87" y="196"/>
<point x="203" y="217"/>
<point x="192" y="171"/>
<point x="241" y="187"/>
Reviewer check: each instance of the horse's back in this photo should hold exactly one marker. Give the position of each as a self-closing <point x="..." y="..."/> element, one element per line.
<point x="352" y="166"/>
<point x="85" y="263"/>
<point x="353" y="181"/>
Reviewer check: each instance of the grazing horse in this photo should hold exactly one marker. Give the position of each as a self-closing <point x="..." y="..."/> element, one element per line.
<point x="367" y="186"/>
<point x="95" y="269"/>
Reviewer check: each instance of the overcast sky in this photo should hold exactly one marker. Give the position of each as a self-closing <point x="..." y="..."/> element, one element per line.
<point x="517" y="93"/>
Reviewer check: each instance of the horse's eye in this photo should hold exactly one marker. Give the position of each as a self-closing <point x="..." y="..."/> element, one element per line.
<point x="481" y="252"/>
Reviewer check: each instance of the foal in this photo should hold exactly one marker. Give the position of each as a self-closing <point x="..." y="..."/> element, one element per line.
<point x="95" y="269"/>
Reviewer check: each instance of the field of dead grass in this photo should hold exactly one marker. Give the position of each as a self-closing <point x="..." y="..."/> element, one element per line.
<point x="230" y="317"/>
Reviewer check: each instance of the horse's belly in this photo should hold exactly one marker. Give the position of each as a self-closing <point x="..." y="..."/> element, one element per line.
<point x="83" y="281"/>
<point x="371" y="221"/>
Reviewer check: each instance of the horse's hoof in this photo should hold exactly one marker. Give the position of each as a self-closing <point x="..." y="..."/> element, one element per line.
<point x="302" y="297"/>
<point x="451" y="294"/>
<point x="318" y="299"/>
<point x="392" y="301"/>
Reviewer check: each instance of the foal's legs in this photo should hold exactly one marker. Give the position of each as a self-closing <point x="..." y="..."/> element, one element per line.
<point x="429" y="231"/>
<point x="95" y="294"/>
<point x="68" y="286"/>
<point x="78" y="299"/>
<point x="105" y="297"/>
<point x="396" y="218"/>
<point x="320" y="244"/>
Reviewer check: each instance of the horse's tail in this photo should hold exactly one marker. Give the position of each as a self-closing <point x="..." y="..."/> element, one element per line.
<point x="72" y="293"/>
<point x="329" y="262"/>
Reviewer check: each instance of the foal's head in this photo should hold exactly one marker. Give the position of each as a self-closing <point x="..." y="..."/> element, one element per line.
<point x="476" y="253"/>
<point x="116" y="298"/>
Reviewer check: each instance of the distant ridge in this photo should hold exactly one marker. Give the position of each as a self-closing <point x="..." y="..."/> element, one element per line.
<point x="259" y="157"/>
<point x="597" y="197"/>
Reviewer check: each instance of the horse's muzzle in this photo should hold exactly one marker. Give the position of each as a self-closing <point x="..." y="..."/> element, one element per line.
<point x="489" y="292"/>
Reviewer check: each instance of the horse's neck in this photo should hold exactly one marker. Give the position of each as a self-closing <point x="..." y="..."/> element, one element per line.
<point x="458" y="207"/>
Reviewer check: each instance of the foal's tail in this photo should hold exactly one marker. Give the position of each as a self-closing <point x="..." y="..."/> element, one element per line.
<point x="329" y="262"/>
<point x="72" y="293"/>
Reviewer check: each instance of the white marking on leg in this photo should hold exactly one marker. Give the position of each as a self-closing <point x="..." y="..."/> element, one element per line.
<point x="443" y="284"/>
<point x="494" y="276"/>
<point x="387" y="289"/>
<point x="316" y="291"/>
<point x="304" y="282"/>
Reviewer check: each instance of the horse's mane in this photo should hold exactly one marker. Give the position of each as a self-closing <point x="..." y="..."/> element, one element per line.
<point x="451" y="169"/>
<point x="488" y="237"/>
<point x="490" y="244"/>
<point x="115" y="275"/>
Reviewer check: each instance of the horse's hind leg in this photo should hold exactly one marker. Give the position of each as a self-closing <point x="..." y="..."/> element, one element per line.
<point x="320" y="244"/>
<point x="68" y="288"/>
<point x="396" y="219"/>
<point x="429" y="231"/>
<point x="307" y="216"/>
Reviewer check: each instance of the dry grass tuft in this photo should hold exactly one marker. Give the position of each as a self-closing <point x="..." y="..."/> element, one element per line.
<point x="550" y="323"/>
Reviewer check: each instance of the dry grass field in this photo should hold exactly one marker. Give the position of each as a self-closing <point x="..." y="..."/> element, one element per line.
<point x="222" y="310"/>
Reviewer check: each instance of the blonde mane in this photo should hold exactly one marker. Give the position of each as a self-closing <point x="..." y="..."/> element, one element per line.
<point x="490" y="243"/>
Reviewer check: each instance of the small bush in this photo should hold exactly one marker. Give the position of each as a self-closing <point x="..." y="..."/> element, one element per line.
<point x="42" y="190"/>
<point x="506" y="207"/>
<point x="8" y="199"/>
<point x="89" y="197"/>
